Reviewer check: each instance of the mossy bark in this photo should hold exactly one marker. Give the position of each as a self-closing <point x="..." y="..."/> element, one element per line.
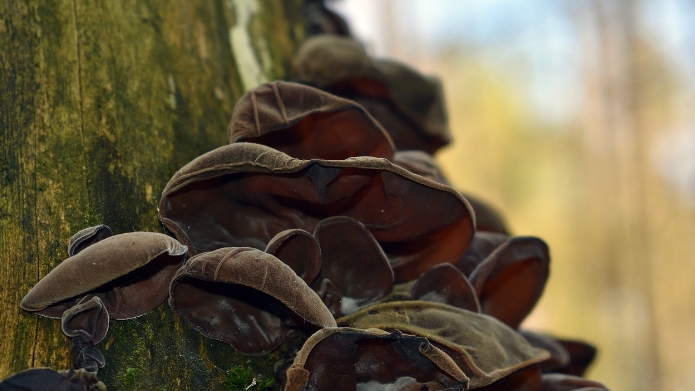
<point x="100" y="103"/>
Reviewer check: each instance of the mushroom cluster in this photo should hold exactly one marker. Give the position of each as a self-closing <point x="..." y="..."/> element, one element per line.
<point x="325" y="219"/>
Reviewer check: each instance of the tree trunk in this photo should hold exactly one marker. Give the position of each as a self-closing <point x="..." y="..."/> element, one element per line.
<point x="100" y="103"/>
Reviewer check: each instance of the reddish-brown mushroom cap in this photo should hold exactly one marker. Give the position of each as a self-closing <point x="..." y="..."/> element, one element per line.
<point x="130" y="273"/>
<point x="353" y="262"/>
<point x="408" y="104"/>
<point x="243" y="194"/>
<point x="511" y="279"/>
<point x="242" y="296"/>
<point x="483" y="244"/>
<point x="447" y="285"/>
<point x="86" y="237"/>
<point x="559" y="356"/>
<point x="299" y="250"/>
<point x="345" y="359"/>
<point x="88" y="318"/>
<point x="485" y="349"/>
<point x="307" y="123"/>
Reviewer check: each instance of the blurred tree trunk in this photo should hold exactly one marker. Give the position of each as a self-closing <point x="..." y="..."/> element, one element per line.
<point x="100" y="103"/>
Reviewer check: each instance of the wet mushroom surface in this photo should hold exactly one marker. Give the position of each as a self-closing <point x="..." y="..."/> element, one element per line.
<point x="243" y="194"/>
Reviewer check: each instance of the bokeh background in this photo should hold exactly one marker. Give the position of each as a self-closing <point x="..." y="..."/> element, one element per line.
<point x="576" y="119"/>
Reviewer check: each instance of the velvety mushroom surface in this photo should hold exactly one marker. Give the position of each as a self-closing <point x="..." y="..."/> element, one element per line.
<point x="130" y="273"/>
<point x="42" y="379"/>
<point x="485" y="349"/>
<point x="347" y="359"/>
<point x="307" y="123"/>
<point x="244" y="297"/>
<point x="243" y="194"/>
<point x="409" y="105"/>
<point x="86" y="237"/>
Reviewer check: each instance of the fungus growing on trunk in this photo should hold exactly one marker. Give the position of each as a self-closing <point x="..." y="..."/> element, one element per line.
<point x="485" y="349"/>
<point x="129" y="272"/>
<point x="87" y="237"/>
<point x="245" y="298"/>
<point x="243" y="194"/>
<point x="307" y="123"/>
<point x="347" y="359"/>
<point x="409" y="105"/>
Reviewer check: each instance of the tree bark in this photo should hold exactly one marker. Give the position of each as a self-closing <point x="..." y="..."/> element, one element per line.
<point x="100" y="103"/>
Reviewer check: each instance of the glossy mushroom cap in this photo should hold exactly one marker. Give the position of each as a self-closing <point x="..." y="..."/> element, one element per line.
<point x="307" y="123"/>
<point x="129" y="272"/>
<point x="485" y="349"/>
<point x="409" y="105"/>
<point x="243" y="297"/>
<point x="243" y="194"/>
<point x="345" y="359"/>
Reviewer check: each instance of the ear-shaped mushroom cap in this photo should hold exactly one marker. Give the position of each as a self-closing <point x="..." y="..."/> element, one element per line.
<point x="447" y="285"/>
<point x="563" y="382"/>
<point x="307" y="123"/>
<point x="321" y="20"/>
<point x="130" y="273"/>
<point x="353" y="261"/>
<point x="345" y="359"/>
<point x="483" y="244"/>
<point x="409" y="105"/>
<point x="241" y="295"/>
<point x="243" y="194"/>
<point x="485" y="349"/>
<point x="510" y="281"/>
<point x="581" y="354"/>
<point x="299" y="250"/>
<point x="41" y="379"/>
<point x="88" y="318"/>
<point x="88" y="237"/>
<point x="559" y="356"/>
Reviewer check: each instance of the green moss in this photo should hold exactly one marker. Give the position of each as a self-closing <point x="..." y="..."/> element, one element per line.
<point x="128" y="377"/>
<point x="242" y="379"/>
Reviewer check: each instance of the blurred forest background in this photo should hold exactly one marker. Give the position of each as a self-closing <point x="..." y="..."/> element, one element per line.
<point x="576" y="119"/>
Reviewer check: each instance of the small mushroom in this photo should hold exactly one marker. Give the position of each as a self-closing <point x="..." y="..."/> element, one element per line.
<point x="86" y="237"/>
<point x="409" y="105"/>
<point x="485" y="349"/>
<point x="321" y="20"/>
<point x="353" y="262"/>
<point x="299" y="250"/>
<point x="244" y="297"/>
<point x="511" y="279"/>
<point x="346" y="359"/>
<point x="447" y="285"/>
<point x="307" y="123"/>
<point x="88" y="318"/>
<point x="559" y="356"/>
<point x="243" y="194"/>
<point x="483" y="244"/>
<point x="130" y="273"/>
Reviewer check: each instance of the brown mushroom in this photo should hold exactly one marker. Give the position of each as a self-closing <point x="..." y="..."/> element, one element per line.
<point x="244" y="297"/>
<point x="345" y="359"/>
<point x="354" y="264"/>
<point x="87" y="237"/>
<point x="447" y="285"/>
<point x="130" y="273"/>
<point x="485" y="349"/>
<point x="243" y="194"/>
<point x="511" y="279"/>
<point x="483" y="244"/>
<point x="88" y="318"/>
<point x="299" y="250"/>
<point x="307" y="123"/>
<point x="408" y="104"/>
